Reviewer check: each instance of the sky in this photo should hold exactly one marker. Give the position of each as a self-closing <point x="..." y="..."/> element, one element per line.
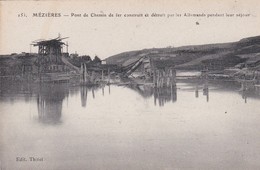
<point x="107" y="36"/>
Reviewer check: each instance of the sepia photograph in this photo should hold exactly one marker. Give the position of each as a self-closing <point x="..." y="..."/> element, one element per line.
<point x="130" y="85"/>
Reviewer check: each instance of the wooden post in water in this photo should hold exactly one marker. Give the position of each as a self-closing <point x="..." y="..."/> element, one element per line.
<point x="164" y="78"/>
<point x="82" y="72"/>
<point x="158" y="78"/>
<point x="154" y="77"/>
<point x="93" y="77"/>
<point x="102" y="75"/>
<point x="108" y="72"/>
<point x="161" y="78"/>
<point x="170" y="77"/>
<point x="85" y="72"/>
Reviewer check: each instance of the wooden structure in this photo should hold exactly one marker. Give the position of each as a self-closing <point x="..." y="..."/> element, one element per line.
<point x="94" y="74"/>
<point x="165" y="77"/>
<point x="143" y="64"/>
<point x="50" y="55"/>
<point x="51" y="63"/>
<point x="162" y="73"/>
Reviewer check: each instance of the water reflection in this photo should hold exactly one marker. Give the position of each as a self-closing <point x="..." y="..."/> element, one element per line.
<point x="161" y="95"/>
<point x="84" y="90"/>
<point x="205" y="88"/>
<point x="246" y="88"/>
<point x="50" y="97"/>
<point x="11" y="92"/>
<point x="49" y="102"/>
<point x="125" y="124"/>
<point x="249" y="89"/>
<point x="84" y="96"/>
<point x="164" y="95"/>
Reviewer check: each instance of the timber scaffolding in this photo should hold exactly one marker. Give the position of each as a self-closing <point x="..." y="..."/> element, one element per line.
<point x="52" y="63"/>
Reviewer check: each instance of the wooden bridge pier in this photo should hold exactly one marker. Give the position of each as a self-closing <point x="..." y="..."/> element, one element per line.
<point x="164" y="77"/>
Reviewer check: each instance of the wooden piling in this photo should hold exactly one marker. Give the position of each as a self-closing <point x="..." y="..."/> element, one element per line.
<point x="102" y="75"/>
<point x="85" y="72"/>
<point x="108" y="72"/>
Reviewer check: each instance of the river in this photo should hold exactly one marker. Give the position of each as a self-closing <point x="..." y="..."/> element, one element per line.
<point x="192" y="125"/>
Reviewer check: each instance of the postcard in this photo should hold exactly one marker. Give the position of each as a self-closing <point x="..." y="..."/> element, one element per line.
<point x="133" y="85"/>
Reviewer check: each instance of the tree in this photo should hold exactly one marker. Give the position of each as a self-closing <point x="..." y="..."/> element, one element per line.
<point x="96" y="60"/>
<point x="86" y="58"/>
